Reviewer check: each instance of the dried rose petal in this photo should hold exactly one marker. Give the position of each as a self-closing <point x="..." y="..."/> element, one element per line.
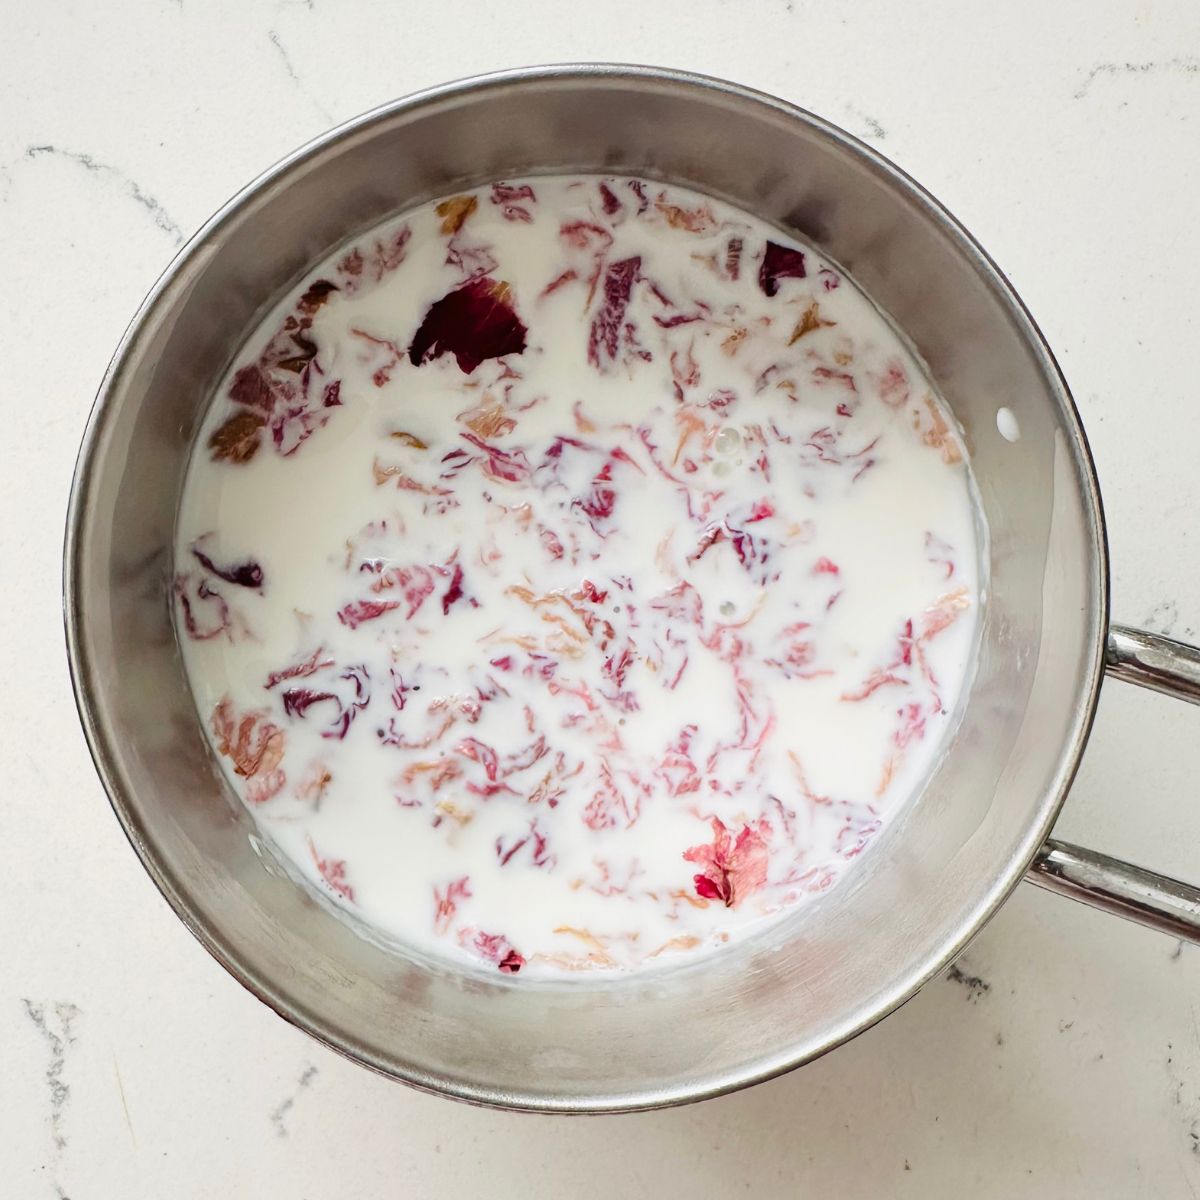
<point x="600" y="500"/>
<point x="297" y="362"/>
<point x="894" y="673"/>
<point x="536" y="842"/>
<point x="604" y="339"/>
<point x="568" y="276"/>
<point x="250" y="741"/>
<point x="238" y="439"/>
<point x="943" y="612"/>
<point x="935" y="432"/>
<point x="283" y="387"/>
<point x="387" y="256"/>
<point x="779" y="262"/>
<point x="495" y="947"/>
<point x="471" y="259"/>
<point x="297" y="701"/>
<point x="355" y="613"/>
<point x="609" y="807"/>
<point x="205" y="613"/>
<point x="294" y="425"/>
<point x="810" y="321"/>
<point x="511" y="963"/>
<point x="489" y="421"/>
<point x="692" y="220"/>
<point x="507" y="197"/>
<point x="454" y="591"/>
<point x="314" y="784"/>
<point x="415" y="583"/>
<point x="265" y="787"/>
<point x="829" y="278"/>
<point x="939" y="552"/>
<point x="333" y="872"/>
<point x="473" y="322"/>
<point x="733" y="257"/>
<point x="446" y="903"/>
<point x="250" y="386"/>
<point x="912" y="725"/>
<point x="318" y="293"/>
<point x="585" y="235"/>
<point x="608" y="200"/>
<point x="248" y="574"/>
<point x="455" y="211"/>
<point x="511" y="466"/>
<point x="409" y="439"/>
<point x="310" y="666"/>
<point x="732" y="870"/>
<point x="893" y="384"/>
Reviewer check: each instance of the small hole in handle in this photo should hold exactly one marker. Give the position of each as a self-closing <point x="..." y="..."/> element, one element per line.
<point x="1006" y="423"/>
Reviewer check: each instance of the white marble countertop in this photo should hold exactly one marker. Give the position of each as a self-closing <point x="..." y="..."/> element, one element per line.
<point x="1061" y="1058"/>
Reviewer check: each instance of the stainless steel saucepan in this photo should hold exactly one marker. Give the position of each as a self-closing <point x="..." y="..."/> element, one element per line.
<point x="935" y="875"/>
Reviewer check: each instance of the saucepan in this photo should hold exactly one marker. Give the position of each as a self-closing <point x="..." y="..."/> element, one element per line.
<point x="934" y="876"/>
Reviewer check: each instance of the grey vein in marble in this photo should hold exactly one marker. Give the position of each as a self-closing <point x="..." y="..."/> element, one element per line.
<point x="1180" y="1076"/>
<point x="1187" y="66"/>
<point x="58" y="1040"/>
<point x="130" y="186"/>
<point x="1164" y="618"/>
<point x="874" y="129"/>
<point x="975" y="985"/>
<point x="278" y="1115"/>
<point x="124" y="1102"/>
<point x="291" y="70"/>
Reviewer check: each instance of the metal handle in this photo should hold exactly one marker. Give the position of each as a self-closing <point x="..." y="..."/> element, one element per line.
<point x="1155" y="662"/>
<point x="1156" y="901"/>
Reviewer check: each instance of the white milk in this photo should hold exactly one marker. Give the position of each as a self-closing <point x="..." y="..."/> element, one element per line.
<point x="577" y="705"/>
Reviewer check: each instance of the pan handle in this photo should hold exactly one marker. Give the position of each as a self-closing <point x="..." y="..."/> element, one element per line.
<point x="1156" y="901"/>
<point x="1155" y="662"/>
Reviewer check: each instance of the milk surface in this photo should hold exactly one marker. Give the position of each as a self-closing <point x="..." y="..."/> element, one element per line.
<point x="575" y="574"/>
